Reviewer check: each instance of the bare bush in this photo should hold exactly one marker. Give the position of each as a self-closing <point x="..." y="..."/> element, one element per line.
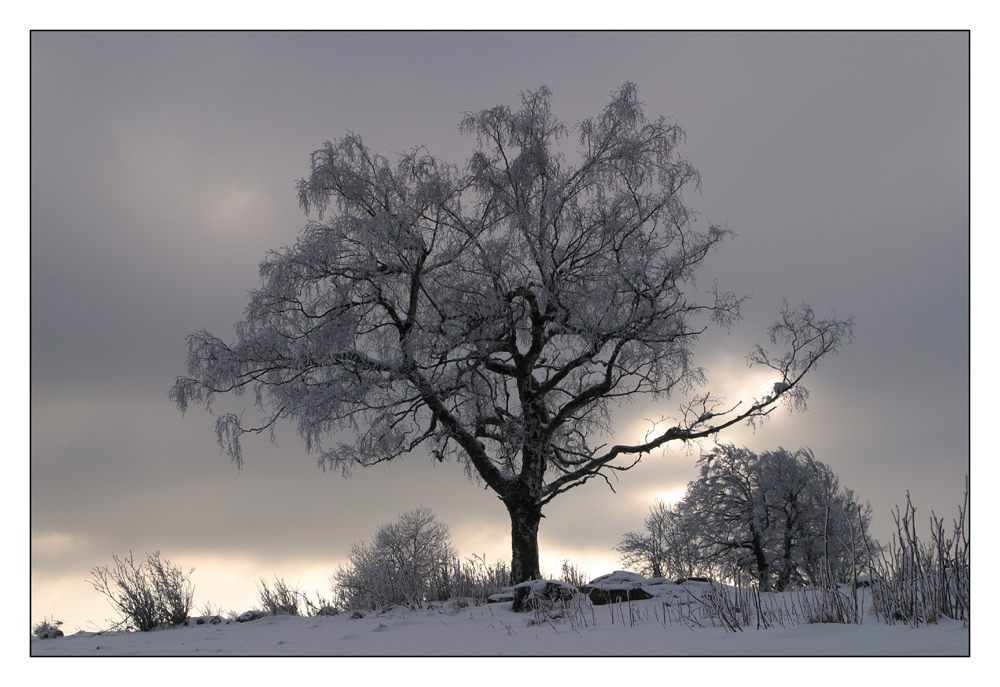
<point x="148" y="593"/>
<point x="173" y="590"/>
<point x="572" y="574"/>
<point x="209" y="609"/>
<point x="729" y="609"/>
<point x="914" y="581"/>
<point x="322" y="606"/>
<point x="827" y="605"/>
<point x="478" y="580"/>
<point x="47" y="629"/>
<point x="284" y="600"/>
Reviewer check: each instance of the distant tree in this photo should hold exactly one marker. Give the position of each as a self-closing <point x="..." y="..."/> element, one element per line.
<point x="406" y="562"/>
<point x="494" y="315"/>
<point x="782" y="516"/>
<point x="665" y="547"/>
<point x="645" y="552"/>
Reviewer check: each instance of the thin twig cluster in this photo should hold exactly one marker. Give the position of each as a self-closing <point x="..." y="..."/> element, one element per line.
<point x="915" y="581"/>
<point x="148" y="593"/>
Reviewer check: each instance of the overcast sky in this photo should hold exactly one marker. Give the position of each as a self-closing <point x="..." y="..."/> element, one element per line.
<point x="163" y="170"/>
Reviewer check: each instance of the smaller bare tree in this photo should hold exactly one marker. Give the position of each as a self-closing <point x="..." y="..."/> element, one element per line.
<point x="664" y="548"/>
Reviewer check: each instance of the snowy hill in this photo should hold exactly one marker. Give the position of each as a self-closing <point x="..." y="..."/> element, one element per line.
<point x="678" y="621"/>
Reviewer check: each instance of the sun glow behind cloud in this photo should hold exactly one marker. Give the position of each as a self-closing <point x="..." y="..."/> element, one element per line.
<point x="671" y="496"/>
<point x="54" y="543"/>
<point x="231" y="212"/>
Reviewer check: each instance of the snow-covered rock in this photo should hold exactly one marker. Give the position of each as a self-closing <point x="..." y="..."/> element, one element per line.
<point x="867" y="580"/>
<point x="547" y="590"/>
<point x="622" y="585"/>
<point x="501" y="597"/>
<point x="618" y="578"/>
<point x="250" y="615"/>
<point x="616" y="587"/>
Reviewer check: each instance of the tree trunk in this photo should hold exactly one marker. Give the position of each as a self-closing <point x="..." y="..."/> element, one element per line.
<point x="787" y="565"/>
<point x="524" y="519"/>
<point x="763" y="569"/>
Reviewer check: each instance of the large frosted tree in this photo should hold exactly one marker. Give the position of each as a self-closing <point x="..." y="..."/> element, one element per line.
<point x="494" y="315"/>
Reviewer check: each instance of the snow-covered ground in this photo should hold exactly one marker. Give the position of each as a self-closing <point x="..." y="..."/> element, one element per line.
<point x="654" y="627"/>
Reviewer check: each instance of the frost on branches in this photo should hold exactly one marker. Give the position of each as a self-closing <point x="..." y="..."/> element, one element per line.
<point x="780" y="516"/>
<point x="494" y="314"/>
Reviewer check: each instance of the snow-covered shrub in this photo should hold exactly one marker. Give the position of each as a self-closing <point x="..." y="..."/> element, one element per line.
<point x="543" y="591"/>
<point x="148" y="593"/>
<point x="282" y="601"/>
<point x="209" y="610"/>
<point x="407" y="562"/>
<point x="47" y="629"/>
